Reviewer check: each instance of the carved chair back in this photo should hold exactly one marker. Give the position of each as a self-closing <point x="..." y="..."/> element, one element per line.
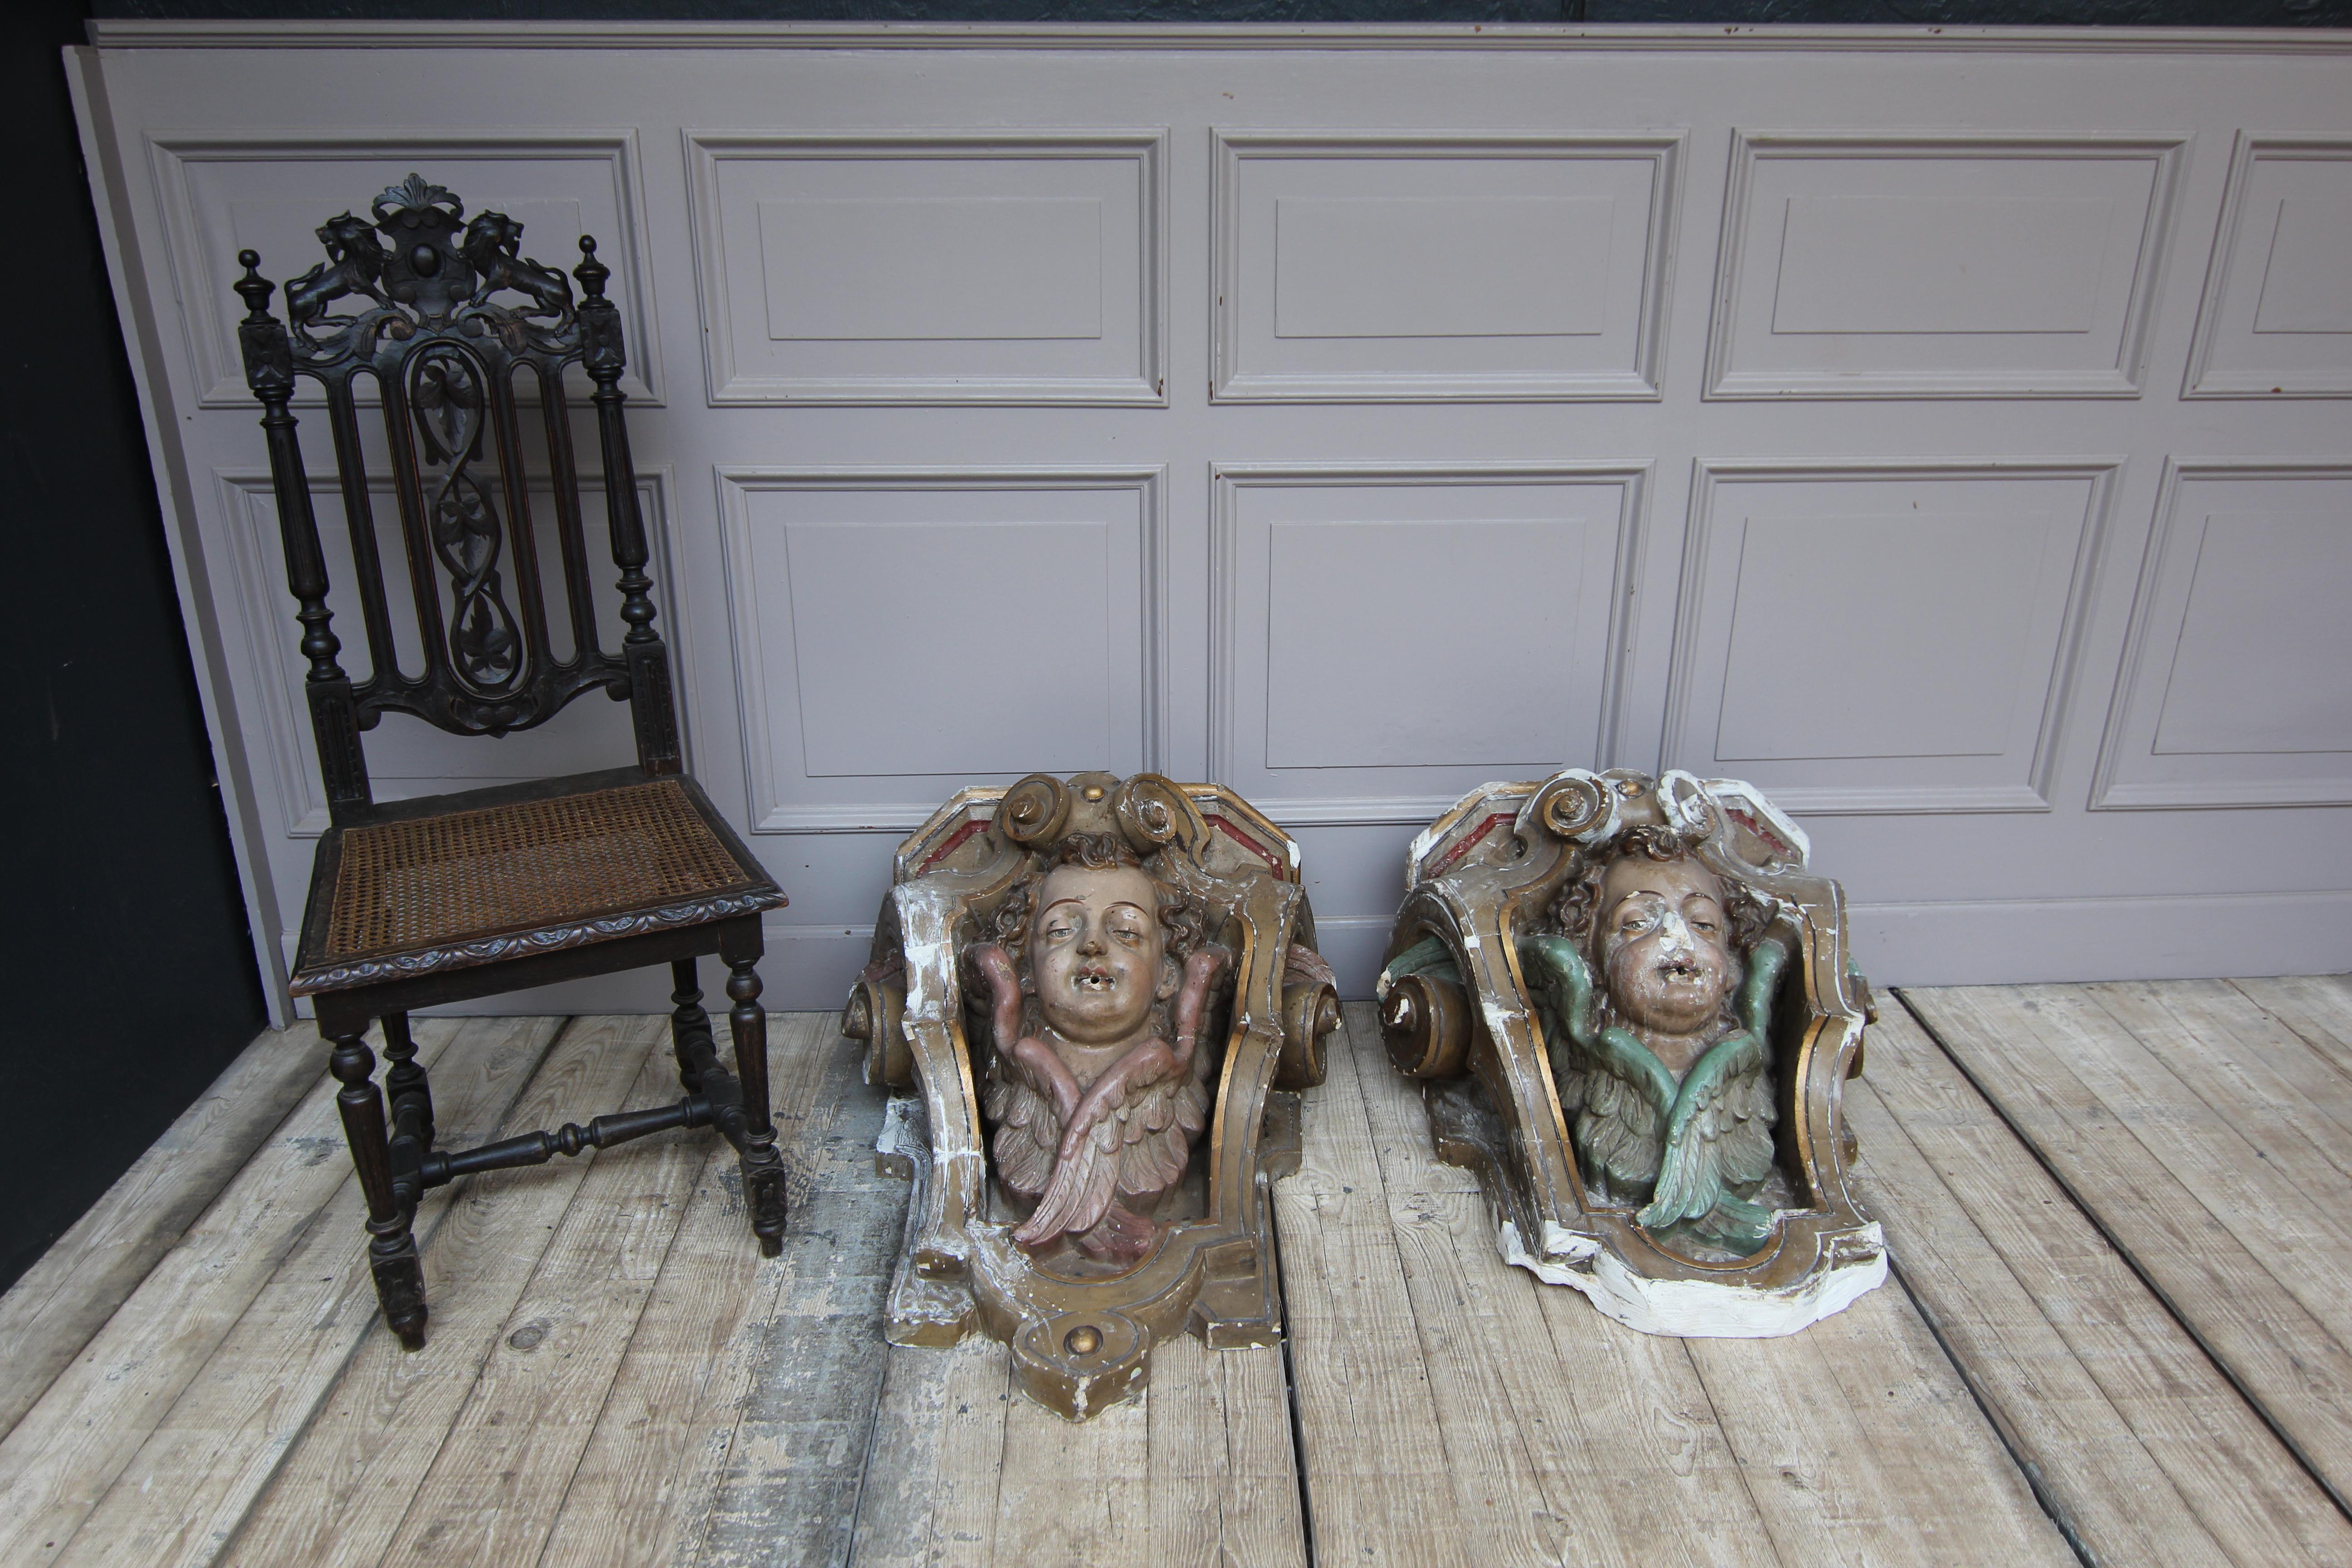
<point x="462" y="380"/>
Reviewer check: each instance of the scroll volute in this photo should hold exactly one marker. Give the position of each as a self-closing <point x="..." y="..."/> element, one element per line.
<point x="875" y="1016"/>
<point x="1426" y="1022"/>
<point x="1153" y="813"/>
<point x="1310" y="1012"/>
<point x="1034" y="811"/>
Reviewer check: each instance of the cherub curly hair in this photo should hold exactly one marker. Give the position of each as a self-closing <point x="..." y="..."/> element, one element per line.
<point x="1572" y="911"/>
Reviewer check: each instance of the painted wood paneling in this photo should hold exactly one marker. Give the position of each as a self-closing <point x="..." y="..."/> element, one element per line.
<point x="2277" y="315"/>
<point x="1868" y="265"/>
<point x="952" y="267"/>
<point x="1954" y="592"/>
<point x="874" y="613"/>
<point x="1356" y="266"/>
<point x="2233" y="689"/>
<point x="1357" y="415"/>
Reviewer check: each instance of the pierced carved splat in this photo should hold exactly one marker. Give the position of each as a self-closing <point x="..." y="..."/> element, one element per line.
<point x="446" y="399"/>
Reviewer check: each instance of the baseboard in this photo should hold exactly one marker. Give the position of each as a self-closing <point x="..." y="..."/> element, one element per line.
<point x="2154" y="938"/>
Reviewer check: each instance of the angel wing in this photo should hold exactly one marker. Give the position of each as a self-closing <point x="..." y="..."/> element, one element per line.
<point x="1133" y="1093"/>
<point x="1719" y="1136"/>
<point x="1027" y="1130"/>
<point x="1617" y="1091"/>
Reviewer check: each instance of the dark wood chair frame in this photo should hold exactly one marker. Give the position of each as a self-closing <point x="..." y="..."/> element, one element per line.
<point x="445" y="359"/>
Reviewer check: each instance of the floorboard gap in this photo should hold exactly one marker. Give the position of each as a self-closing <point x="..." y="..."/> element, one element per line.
<point x="1290" y="1387"/>
<point x="1999" y="1420"/>
<point x="2131" y="1261"/>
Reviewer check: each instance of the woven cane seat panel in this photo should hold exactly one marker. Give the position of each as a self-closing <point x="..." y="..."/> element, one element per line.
<point x="472" y="874"/>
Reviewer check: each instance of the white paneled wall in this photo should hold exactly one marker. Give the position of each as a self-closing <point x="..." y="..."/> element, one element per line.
<point x="1948" y="431"/>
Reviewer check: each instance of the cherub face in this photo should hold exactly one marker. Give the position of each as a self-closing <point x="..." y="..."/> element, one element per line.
<point x="1096" y="953"/>
<point x="1666" y="945"/>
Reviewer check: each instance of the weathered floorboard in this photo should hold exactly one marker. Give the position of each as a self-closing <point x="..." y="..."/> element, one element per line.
<point x="181" y="1498"/>
<point x="641" y="1493"/>
<point x="2317" y="1008"/>
<point x="52" y="1311"/>
<point x="1587" y="1442"/>
<point x="73" y="1444"/>
<point x="683" y="1404"/>
<point x="1374" y="1449"/>
<point x="934" y="1469"/>
<point x="342" y="1489"/>
<point x="2141" y="1447"/>
<point x="787" y="1490"/>
<point x="2218" y="1244"/>
<point x="549" y="1357"/>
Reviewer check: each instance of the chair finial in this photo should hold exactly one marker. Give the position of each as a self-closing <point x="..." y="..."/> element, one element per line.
<point x="253" y="286"/>
<point x="591" y="272"/>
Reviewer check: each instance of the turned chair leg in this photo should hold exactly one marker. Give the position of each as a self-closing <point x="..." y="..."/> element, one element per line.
<point x="391" y="1248"/>
<point x="690" y="1026"/>
<point x="763" y="1166"/>
<point x="405" y="1085"/>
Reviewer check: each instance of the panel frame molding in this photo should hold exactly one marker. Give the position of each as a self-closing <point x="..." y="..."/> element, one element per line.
<point x="2034" y="794"/>
<point x="726" y="387"/>
<point x="2109" y="794"/>
<point x="2199" y="380"/>
<point x="219" y="383"/>
<point x="256" y="601"/>
<point x="1229" y="149"/>
<point x="1227" y="480"/>
<point x="1725" y="383"/>
<point x="767" y="810"/>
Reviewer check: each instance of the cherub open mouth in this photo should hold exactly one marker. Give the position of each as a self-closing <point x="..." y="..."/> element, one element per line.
<point x="1093" y="978"/>
<point x="1679" y="970"/>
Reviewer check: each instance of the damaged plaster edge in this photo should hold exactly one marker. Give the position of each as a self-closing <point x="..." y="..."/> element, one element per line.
<point x="1699" y="1309"/>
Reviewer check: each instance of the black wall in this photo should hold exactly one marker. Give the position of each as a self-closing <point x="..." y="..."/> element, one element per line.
<point x="126" y="979"/>
<point x="1953" y="12"/>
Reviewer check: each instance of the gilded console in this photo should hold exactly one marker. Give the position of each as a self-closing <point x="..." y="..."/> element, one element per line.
<point x="1633" y="1006"/>
<point x="1100" y="992"/>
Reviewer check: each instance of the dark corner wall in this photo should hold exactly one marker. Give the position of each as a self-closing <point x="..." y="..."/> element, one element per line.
<point x="126" y="979"/>
<point x="1952" y="12"/>
<point x="130" y="982"/>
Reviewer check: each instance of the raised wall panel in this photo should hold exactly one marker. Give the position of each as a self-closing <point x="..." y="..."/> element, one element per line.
<point x="901" y="633"/>
<point x="1871" y="265"/>
<point x="2277" y="314"/>
<point x="1355" y="268"/>
<point x="406" y="756"/>
<point x="1386" y="636"/>
<point x="2235" y="689"/>
<point x="225" y="194"/>
<point x="967" y="266"/>
<point x="1883" y="639"/>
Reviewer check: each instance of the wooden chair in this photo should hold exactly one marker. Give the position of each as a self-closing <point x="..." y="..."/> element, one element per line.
<point x="441" y="899"/>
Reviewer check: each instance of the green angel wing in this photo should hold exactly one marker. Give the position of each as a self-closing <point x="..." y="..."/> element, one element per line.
<point x="1719" y="1133"/>
<point x="1617" y="1091"/>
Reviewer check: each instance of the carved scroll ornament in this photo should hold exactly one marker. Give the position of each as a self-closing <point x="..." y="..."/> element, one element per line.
<point x="1633" y="1009"/>
<point x="1099" y="992"/>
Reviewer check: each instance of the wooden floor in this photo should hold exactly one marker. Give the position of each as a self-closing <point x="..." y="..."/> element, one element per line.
<point x="2119" y="1332"/>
